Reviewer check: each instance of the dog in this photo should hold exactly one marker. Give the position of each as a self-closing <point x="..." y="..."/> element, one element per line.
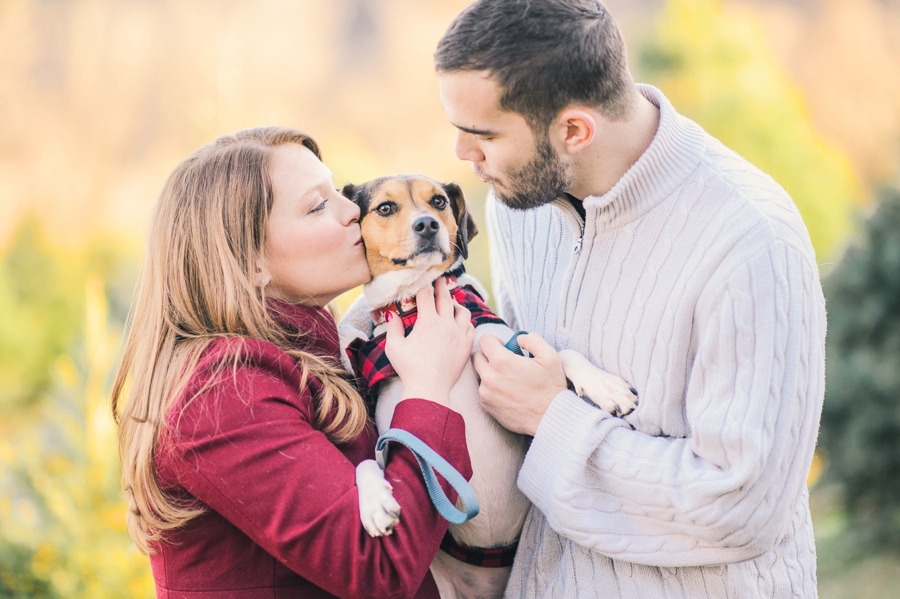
<point x="415" y="230"/>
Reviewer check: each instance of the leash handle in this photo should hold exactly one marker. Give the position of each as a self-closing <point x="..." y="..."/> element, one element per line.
<point x="429" y="461"/>
<point x="513" y="343"/>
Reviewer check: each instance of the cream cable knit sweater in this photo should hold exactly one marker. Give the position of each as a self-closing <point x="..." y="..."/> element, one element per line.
<point x="697" y="283"/>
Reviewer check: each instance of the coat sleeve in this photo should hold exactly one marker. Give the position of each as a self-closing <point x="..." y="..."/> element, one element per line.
<point x="245" y="448"/>
<point x="727" y="492"/>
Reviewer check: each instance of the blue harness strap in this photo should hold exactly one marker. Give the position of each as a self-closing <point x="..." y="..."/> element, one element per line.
<point x="429" y="461"/>
<point x="513" y="343"/>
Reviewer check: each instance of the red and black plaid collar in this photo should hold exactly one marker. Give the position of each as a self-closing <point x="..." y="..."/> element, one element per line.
<point x="497" y="557"/>
<point x="408" y="306"/>
<point x="369" y="360"/>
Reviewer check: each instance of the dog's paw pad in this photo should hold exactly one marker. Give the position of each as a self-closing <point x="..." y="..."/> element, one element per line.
<point x="378" y="510"/>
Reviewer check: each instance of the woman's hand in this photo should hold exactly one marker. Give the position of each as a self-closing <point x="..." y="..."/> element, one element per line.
<point x="431" y="358"/>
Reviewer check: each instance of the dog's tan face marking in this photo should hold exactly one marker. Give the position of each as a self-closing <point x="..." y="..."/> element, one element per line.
<point x="409" y="223"/>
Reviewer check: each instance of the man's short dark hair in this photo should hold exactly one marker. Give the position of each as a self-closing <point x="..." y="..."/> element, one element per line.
<point x="545" y="54"/>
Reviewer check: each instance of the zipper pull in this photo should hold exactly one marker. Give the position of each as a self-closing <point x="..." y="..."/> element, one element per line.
<point x="578" y="244"/>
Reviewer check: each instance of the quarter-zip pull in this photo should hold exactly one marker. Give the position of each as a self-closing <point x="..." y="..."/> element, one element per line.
<point x="580" y="239"/>
<point x="574" y="218"/>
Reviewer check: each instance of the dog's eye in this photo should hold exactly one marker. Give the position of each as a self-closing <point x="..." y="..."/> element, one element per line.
<point x="439" y="202"/>
<point x="385" y="209"/>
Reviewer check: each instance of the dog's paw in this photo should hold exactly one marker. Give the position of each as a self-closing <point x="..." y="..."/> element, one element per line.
<point x="608" y="391"/>
<point x="378" y="510"/>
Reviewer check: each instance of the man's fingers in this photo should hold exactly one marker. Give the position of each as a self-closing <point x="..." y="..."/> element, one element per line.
<point x="492" y="347"/>
<point x="535" y="345"/>
<point x="479" y="362"/>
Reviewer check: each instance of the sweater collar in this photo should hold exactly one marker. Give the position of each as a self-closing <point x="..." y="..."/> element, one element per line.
<point x="673" y="154"/>
<point x="315" y="329"/>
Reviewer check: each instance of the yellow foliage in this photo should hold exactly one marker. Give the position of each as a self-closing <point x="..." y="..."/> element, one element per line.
<point x="69" y="509"/>
<point x="716" y="65"/>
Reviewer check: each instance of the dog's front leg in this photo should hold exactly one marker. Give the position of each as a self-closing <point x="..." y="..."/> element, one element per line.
<point x="378" y="509"/>
<point x="608" y="391"/>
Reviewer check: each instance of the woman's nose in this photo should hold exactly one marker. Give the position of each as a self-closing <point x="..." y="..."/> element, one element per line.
<point x="351" y="212"/>
<point x="467" y="148"/>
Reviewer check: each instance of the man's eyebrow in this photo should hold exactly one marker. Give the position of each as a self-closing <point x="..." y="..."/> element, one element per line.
<point x="482" y="132"/>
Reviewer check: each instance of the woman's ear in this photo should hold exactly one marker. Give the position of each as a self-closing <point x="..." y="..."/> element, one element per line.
<point x="262" y="277"/>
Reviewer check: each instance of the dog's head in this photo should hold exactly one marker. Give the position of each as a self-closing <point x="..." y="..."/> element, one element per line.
<point x="412" y="222"/>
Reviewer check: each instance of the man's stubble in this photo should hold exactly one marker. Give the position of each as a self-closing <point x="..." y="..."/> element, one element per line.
<point x="541" y="180"/>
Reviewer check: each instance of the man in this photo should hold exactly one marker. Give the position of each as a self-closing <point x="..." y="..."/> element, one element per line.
<point x="622" y="230"/>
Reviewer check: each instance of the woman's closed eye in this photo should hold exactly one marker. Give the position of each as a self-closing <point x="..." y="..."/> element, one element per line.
<point x="319" y="207"/>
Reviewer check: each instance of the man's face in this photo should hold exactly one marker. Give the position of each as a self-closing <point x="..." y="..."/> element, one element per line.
<point x="523" y="170"/>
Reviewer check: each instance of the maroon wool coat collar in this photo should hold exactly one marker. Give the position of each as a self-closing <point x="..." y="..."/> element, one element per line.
<point x="282" y="515"/>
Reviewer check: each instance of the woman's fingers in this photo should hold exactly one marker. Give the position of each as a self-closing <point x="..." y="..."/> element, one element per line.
<point x="425" y="301"/>
<point x="463" y="317"/>
<point x="442" y="301"/>
<point x="394" y="327"/>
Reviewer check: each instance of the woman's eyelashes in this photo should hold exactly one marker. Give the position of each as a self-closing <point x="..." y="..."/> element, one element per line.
<point x="319" y="207"/>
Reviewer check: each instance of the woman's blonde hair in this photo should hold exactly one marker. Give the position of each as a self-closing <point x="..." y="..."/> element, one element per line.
<point x="199" y="284"/>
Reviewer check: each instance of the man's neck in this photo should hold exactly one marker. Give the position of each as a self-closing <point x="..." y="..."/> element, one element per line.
<point x="616" y="147"/>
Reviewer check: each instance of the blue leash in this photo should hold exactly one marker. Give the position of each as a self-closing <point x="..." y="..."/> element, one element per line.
<point x="513" y="343"/>
<point x="429" y="461"/>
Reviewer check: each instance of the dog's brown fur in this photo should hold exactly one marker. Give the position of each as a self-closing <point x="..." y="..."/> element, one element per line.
<point x="389" y="206"/>
<point x="402" y="259"/>
<point x="403" y="256"/>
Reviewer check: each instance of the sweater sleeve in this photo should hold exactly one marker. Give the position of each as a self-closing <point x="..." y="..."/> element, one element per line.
<point x="245" y="448"/>
<point x="728" y="491"/>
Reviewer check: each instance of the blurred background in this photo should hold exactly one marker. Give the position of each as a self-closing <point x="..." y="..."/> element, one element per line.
<point x="100" y="99"/>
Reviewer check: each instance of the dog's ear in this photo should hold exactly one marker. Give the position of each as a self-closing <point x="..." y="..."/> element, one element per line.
<point x="464" y="222"/>
<point x="359" y="195"/>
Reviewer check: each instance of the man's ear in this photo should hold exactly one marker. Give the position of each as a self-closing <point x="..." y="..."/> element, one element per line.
<point x="465" y="224"/>
<point x="576" y="128"/>
<point x="359" y="195"/>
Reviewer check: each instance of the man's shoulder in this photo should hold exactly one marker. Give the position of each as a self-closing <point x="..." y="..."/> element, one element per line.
<point x="758" y="209"/>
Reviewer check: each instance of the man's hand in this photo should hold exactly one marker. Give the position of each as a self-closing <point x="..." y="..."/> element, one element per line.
<point x="516" y="390"/>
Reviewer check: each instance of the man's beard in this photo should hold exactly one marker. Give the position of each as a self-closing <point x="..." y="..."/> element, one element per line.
<point x="543" y="179"/>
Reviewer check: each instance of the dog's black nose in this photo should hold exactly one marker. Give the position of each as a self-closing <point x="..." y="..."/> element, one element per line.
<point x="426" y="226"/>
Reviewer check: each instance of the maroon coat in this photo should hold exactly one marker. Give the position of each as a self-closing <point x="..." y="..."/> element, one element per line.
<point x="283" y="517"/>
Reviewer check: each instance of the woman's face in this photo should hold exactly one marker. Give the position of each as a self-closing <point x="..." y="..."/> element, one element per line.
<point x="314" y="250"/>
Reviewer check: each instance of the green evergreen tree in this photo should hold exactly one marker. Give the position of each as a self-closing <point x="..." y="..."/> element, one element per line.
<point x="860" y="434"/>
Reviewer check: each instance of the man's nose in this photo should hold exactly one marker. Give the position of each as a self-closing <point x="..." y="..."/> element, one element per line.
<point x="467" y="148"/>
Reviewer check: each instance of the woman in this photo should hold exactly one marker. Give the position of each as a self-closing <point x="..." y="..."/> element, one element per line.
<point x="239" y="434"/>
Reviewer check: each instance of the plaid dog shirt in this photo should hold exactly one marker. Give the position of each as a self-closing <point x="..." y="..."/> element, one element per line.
<point x="369" y="360"/>
<point x="371" y="366"/>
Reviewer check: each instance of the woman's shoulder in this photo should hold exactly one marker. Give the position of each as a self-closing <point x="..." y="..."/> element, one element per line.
<point x="243" y="355"/>
<point x="239" y="378"/>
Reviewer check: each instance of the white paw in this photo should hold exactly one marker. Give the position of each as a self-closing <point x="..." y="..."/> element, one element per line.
<point x="608" y="391"/>
<point x="378" y="510"/>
